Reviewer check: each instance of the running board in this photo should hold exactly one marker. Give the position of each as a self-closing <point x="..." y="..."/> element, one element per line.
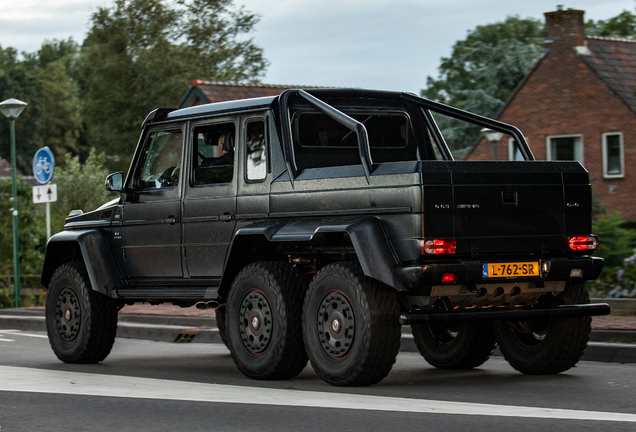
<point x="566" y="311"/>
<point x="168" y="293"/>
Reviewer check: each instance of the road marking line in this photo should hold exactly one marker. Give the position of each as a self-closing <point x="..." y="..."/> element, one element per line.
<point x="22" y="333"/>
<point x="21" y="379"/>
<point x="7" y="340"/>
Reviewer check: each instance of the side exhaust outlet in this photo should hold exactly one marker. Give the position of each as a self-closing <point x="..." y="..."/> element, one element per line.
<point x="211" y="304"/>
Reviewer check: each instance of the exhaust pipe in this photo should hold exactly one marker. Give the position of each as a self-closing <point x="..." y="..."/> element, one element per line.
<point x="211" y="304"/>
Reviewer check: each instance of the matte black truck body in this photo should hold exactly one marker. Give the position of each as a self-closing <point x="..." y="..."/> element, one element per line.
<point x="324" y="177"/>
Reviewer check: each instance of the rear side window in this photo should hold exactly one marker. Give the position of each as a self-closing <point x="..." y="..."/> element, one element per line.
<point x="385" y="131"/>
<point x="320" y="141"/>
<point x="256" y="151"/>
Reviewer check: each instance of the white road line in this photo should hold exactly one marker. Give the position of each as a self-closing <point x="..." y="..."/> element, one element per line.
<point x="22" y="379"/>
<point x="22" y="333"/>
<point x="7" y="340"/>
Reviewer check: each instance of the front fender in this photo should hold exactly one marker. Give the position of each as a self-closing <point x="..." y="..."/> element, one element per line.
<point x="367" y="235"/>
<point x="90" y="246"/>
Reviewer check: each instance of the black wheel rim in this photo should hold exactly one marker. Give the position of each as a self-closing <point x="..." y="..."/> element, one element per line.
<point x="67" y="314"/>
<point x="530" y="333"/>
<point x="255" y="322"/>
<point x="443" y="334"/>
<point x="336" y="325"/>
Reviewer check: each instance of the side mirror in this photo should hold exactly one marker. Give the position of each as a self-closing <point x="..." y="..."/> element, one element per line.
<point x="115" y="182"/>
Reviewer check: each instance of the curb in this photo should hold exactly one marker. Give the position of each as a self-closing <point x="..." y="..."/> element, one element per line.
<point x="610" y="346"/>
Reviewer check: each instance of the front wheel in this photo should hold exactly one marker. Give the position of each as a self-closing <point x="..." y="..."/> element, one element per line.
<point x="350" y="326"/>
<point x="263" y="321"/>
<point x="550" y="345"/>
<point x="81" y="323"/>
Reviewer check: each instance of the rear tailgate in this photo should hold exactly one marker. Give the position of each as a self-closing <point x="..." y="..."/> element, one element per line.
<point x="509" y="208"/>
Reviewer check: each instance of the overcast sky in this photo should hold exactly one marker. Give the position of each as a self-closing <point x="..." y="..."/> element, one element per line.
<point x="380" y="44"/>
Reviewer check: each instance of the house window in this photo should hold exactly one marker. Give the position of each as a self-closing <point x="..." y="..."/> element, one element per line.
<point x="565" y="147"/>
<point x="613" y="163"/>
<point x="514" y="154"/>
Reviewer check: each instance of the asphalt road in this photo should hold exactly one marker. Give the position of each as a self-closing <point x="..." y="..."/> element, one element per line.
<point x="160" y="386"/>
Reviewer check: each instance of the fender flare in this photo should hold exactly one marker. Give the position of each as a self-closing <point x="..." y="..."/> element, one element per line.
<point x="93" y="248"/>
<point x="368" y="237"/>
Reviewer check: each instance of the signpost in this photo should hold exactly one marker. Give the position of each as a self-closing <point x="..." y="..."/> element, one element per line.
<point x="43" y="165"/>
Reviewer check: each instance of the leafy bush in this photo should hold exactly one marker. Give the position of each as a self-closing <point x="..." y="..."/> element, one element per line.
<point x="6" y="298"/>
<point x="616" y="246"/>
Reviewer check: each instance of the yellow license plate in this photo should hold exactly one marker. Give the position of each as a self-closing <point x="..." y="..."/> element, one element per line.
<point x="512" y="269"/>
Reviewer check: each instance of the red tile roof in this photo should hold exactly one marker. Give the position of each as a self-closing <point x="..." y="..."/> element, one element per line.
<point x="614" y="60"/>
<point x="222" y="91"/>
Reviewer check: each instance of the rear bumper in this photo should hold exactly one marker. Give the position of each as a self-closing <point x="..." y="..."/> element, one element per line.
<point x="569" y="311"/>
<point x="421" y="277"/>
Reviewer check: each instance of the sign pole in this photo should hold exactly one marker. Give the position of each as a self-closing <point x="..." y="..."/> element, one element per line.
<point x="48" y="221"/>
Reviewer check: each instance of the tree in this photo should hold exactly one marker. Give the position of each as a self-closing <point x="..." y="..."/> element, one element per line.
<point x="20" y="80"/>
<point x="622" y="25"/>
<point x="44" y="80"/>
<point x="142" y="54"/>
<point x="482" y="72"/>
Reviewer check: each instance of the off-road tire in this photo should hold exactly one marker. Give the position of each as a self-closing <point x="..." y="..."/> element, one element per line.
<point x="81" y="323"/>
<point x="276" y="290"/>
<point x="367" y="312"/>
<point x="455" y="346"/>
<point x="556" y="344"/>
<point x="219" y="313"/>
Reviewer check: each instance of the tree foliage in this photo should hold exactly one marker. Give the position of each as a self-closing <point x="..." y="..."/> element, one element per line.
<point x="21" y="81"/>
<point x="31" y="233"/>
<point x="482" y="72"/>
<point x="46" y="80"/>
<point x="141" y="54"/>
<point x="622" y="25"/>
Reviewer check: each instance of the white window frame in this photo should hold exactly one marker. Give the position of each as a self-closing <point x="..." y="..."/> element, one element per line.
<point x="512" y="148"/>
<point x="578" y="151"/>
<point x="622" y="155"/>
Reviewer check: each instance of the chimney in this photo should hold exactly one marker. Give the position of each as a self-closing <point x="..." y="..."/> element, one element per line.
<point x="564" y="28"/>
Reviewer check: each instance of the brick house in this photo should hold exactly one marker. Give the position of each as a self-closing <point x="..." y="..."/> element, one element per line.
<point x="202" y="92"/>
<point x="578" y="103"/>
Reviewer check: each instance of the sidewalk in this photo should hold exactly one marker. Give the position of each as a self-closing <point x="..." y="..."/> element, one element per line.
<point x="613" y="337"/>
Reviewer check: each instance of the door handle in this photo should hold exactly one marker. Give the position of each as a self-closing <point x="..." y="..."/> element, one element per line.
<point x="227" y="217"/>
<point x="171" y="220"/>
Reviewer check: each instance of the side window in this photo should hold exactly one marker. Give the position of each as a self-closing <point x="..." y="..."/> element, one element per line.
<point x="613" y="163"/>
<point x="213" y="154"/>
<point x="256" y="151"/>
<point x="161" y="160"/>
<point x="565" y="147"/>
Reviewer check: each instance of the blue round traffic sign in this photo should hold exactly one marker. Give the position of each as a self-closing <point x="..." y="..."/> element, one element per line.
<point x="43" y="164"/>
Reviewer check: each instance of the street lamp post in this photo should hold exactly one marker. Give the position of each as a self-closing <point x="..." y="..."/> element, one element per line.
<point x="493" y="137"/>
<point x="12" y="108"/>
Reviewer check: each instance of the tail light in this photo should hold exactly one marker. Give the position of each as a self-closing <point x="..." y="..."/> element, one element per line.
<point x="449" y="278"/>
<point x="438" y="246"/>
<point x="583" y="243"/>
